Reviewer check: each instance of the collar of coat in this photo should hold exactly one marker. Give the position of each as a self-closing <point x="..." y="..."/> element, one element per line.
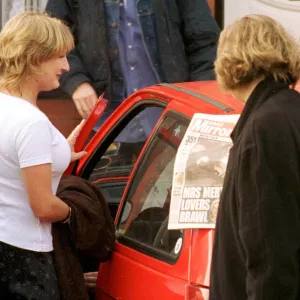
<point x="262" y="92"/>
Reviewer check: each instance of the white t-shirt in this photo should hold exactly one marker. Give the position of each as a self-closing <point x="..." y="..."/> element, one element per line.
<point x="27" y="138"/>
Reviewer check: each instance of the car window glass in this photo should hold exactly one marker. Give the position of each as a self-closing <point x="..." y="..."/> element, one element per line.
<point x="145" y="226"/>
<point x="110" y="171"/>
<point x="122" y="153"/>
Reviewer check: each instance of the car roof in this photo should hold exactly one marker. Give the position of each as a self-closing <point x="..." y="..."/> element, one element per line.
<point x="197" y="93"/>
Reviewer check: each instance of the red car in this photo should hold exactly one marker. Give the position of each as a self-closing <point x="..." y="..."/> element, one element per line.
<point x="149" y="261"/>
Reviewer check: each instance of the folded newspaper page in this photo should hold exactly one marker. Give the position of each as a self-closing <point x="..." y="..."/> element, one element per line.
<point x="199" y="171"/>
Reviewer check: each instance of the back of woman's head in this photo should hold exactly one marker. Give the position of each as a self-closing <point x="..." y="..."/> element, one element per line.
<point x="253" y="47"/>
<point x="28" y="39"/>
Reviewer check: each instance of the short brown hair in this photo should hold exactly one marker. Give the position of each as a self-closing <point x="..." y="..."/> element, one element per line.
<point x="256" y="46"/>
<point x="28" y="39"/>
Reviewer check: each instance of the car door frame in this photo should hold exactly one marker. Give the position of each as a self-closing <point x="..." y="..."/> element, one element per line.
<point x="110" y="130"/>
<point x="179" y="274"/>
<point x="105" y="136"/>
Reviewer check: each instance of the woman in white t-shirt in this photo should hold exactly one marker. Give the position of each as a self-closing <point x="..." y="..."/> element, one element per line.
<point x="33" y="154"/>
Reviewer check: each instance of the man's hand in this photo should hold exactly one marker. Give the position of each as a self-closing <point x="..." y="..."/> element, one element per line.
<point x="84" y="98"/>
<point x="90" y="279"/>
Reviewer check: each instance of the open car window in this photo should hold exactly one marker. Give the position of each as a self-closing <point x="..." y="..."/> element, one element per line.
<point x="122" y="153"/>
<point x="111" y="163"/>
<point x="143" y="224"/>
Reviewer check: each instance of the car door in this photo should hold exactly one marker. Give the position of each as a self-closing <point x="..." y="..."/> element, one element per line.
<point x="149" y="261"/>
<point x="110" y="160"/>
<point x="85" y="132"/>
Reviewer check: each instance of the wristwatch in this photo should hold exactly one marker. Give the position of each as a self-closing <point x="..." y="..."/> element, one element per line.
<point x="67" y="220"/>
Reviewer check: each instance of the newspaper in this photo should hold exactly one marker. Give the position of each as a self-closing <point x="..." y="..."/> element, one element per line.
<point x="199" y="171"/>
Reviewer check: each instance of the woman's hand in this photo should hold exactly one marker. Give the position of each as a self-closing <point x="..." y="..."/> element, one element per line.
<point x="72" y="140"/>
<point x="90" y="279"/>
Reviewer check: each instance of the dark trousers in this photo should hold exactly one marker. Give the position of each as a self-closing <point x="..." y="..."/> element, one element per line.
<point x="26" y="275"/>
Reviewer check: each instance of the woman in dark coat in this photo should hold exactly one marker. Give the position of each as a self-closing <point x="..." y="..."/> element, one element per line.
<point x="257" y="239"/>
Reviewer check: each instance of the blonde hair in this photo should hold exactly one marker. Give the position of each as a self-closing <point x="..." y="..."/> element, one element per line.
<point x="253" y="47"/>
<point x="26" y="40"/>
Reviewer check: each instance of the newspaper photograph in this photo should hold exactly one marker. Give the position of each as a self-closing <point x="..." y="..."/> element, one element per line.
<point x="199" y="171"/>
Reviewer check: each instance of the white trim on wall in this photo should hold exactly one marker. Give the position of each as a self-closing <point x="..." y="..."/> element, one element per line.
<point x="283" y="4"/>
<point x="284" y="11"/>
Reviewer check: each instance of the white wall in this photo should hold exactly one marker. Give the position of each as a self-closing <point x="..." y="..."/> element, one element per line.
<point x="6" y="6"/>
<point x="12" y="7"/>
<point x="285" y="11"/>
<point x="234" y="9"/>
<point x="17" y="6"/>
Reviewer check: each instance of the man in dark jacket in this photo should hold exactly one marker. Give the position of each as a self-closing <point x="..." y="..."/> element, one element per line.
<point x="256" y="253"/>
<point x="125" y="45"/>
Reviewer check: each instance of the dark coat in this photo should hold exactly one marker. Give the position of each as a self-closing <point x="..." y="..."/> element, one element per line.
<point x="257" y="238"/>
<point x="90" y="236"/>
<point x="186" y="33"/>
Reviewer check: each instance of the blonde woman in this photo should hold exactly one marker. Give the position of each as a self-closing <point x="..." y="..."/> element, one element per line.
<point x="33" y="154"/>
<point x="257" y="246"/>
